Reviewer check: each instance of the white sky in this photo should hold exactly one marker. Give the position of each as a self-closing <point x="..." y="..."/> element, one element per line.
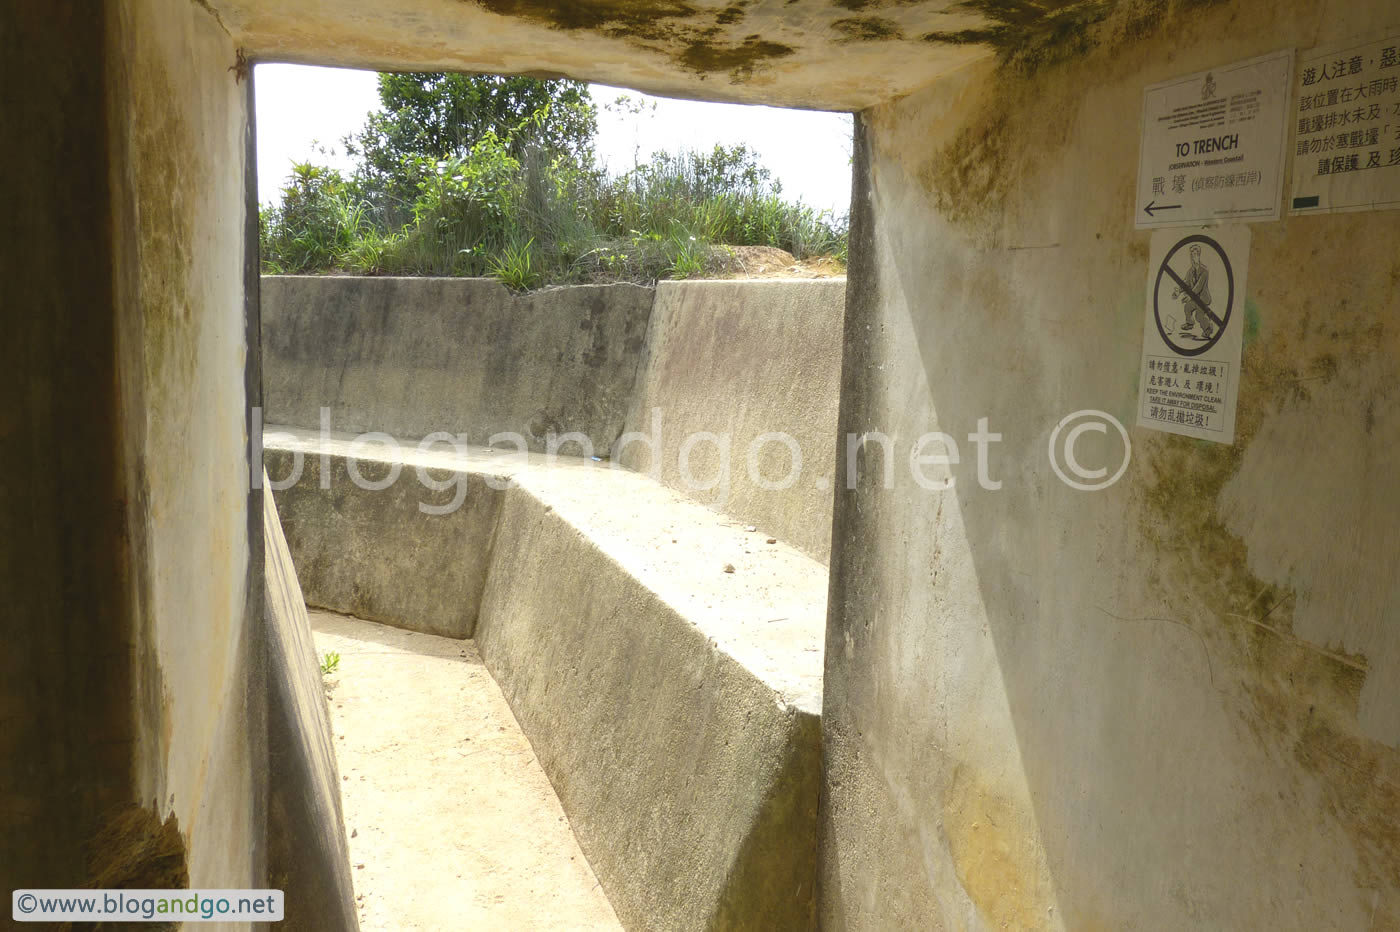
<point x="300" y="106"/>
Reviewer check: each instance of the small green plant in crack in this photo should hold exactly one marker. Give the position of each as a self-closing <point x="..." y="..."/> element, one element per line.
<point x="515" y="268"/>
<point x="688" y="255"/>
<point x="330" y="663"/>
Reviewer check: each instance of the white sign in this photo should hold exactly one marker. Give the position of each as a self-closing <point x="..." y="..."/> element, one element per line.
<point x="1213" y="143"/>
<point x="1191" y="339"/>
<point x="1346" y="142"/>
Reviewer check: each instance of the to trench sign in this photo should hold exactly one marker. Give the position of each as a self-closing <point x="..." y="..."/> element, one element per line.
<point x="1191" y="308"/>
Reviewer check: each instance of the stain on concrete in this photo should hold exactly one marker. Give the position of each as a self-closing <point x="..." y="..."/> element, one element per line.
<point x="995" y="863"/>
<point x="134" y="849"/>
<point x="688" y="34"/>
<point x="1299" y="698"/>
<point x="639" y="18"/>
<point x="967" y="177"/>
<point x="970" y="176"/>
<point x="1362" y="790"/>
<point x="731" y="14"/>
<point x="772" y="883"/>
<point x="738" y="60"/>
<point x="1029" y="35"/>
<point x="165" y="187"/>
<point x="868" y="29"/>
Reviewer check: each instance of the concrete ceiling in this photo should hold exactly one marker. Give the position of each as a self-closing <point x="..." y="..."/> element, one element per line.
<point x="822" y="54"/>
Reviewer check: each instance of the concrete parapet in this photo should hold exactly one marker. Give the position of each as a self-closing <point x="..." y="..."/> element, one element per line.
<point x="757" y="365"/>
<point x="664" y="662"/>
<point x="413" y="356"/>
<point x="670" y="702"/>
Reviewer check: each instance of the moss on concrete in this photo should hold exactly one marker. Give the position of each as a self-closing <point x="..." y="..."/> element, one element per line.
<point x="738" y="60"/>
<point x="134" y="850"/>
<point x="1028" y="36"/>
<point x="691" y="35"/>
<point x="642" y="18"/>
<point x="868" y="29"/>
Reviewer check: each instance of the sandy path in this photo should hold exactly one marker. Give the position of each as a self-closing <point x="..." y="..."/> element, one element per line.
<point x="453" y="823"/>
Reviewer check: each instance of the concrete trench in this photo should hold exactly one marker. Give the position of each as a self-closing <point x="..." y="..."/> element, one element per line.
<point x="660" y="658"/>
<point x="1168" y="704"/>
<point x="452" y="823"/>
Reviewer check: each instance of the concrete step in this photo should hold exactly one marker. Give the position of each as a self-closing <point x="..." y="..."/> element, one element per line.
<point x="664" y="661"/>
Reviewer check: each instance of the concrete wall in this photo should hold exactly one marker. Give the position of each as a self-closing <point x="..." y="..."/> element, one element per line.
<point x="135" y="686"/>
<point x="736" y="360"/>
<point x="756" y="52"/>
<point x="671" y="701"/>
<point x="65" y="675"/>
<point x="308" y="854"/>
<point x="1166" y="705"/>
<point x="413" y="356"/>
<point x="373" y="552"/>
<point x="740" y="360"/>
<point x="136" y="701"/>
<point x="691" y="783"/>
<point x="1171" y="704"/>
<point x="180" y="165"/>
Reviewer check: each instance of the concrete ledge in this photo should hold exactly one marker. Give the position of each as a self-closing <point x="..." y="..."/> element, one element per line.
<point x="691" y="777"/>
<point x="674" y="705"/>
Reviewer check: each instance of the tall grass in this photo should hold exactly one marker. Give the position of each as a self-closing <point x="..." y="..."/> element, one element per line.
<point x="531" y="220"/>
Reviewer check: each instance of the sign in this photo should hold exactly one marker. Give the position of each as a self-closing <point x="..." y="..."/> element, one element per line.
<point x="1192" y="337"/>
<point x="1346" y="129"/>
<point x="1213" y="143"/>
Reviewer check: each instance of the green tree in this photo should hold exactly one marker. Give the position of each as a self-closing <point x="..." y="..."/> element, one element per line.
<point x="430" y="117"/>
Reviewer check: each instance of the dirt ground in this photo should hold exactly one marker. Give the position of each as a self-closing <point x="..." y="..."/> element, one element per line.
<point x="769" y="262"/>
<point x="452" y="823"/>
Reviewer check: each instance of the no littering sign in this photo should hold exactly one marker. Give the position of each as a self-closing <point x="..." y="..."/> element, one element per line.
<point x="1204" y="315"/>
<point x="1192" y="335"/>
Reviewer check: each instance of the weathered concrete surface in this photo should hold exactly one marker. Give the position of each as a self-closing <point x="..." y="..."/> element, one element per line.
<point x="137" y="587"/>
<point x="455" y="825"/>
<point x="415" y="356"/>
<point x="1166" y="705"/>
<point x="372" y="551"/>
<point x="65" y="678"/>
<point x="180" y="150"/>
<point x="765" y="51"/>
<point x="672" y="704"/>
<point x="744" y="360"/>
<point x="308" y="859"/>
<point x="134" y="709"/>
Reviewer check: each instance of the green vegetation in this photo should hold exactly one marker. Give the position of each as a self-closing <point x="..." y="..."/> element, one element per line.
<point x="330" y="663"/>
<point x="462" y="175"/>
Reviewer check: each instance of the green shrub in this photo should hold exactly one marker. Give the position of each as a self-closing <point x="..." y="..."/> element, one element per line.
<point x="529" y="212"/>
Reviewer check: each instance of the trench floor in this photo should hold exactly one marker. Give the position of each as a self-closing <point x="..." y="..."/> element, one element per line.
<point x="452" y="823"/>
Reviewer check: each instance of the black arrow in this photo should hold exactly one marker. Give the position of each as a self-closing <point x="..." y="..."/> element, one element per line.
<point x="1153" y="205"/>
